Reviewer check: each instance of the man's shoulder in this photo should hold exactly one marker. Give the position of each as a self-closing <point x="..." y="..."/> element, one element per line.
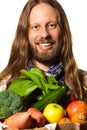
<point x="3" y="83"/>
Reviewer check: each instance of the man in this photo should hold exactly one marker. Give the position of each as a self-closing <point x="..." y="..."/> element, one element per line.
<point x="43" y="39"/>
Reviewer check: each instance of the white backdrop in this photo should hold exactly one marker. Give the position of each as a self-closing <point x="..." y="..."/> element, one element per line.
<point x="76" y="12"/>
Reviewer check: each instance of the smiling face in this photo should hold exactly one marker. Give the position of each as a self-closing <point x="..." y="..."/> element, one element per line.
<point x="44" y="33"/>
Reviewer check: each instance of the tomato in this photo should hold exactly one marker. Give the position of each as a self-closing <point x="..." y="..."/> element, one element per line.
<point x="77" y="110"/>
<point x="78" y="118"/>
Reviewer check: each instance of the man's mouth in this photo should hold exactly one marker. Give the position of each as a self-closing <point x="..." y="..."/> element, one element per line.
<point x="45" y="46"/>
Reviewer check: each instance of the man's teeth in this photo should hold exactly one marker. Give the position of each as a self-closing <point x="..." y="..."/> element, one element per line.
<point x="45" y="44"/>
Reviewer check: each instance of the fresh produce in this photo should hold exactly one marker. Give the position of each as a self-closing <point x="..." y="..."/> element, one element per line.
<point x="24" y="120"/>
<point x="23" y="86"/>
<point x="64" y="120"/>
<point x="53" y="112"/>
<point x="38" y="117"/>
<point x="37" y="71"/>
<point x="31" y="80"/>
<point x="37" y="91"/>
<point x="33" y="76"/>
<point x="20" y="120"/>
<point x="77" y="111"/>
<point x="10" y="103"/>
<point x="78" y="117"/>
<point x="37" y="87"/>
<point x="53" y="96"/>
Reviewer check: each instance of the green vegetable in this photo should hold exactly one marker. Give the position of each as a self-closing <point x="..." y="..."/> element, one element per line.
<point x="32" y="76"/>
<point x="53" y="96"/>
<point x="36" y="78"/>
<point x="51" y="80"/>
<point x="34" y="85"/>
<point x="33" y="79"/>
<point x="23" y="86"/>
<point x="39" y="72"/>
<point x="10" y="103"/>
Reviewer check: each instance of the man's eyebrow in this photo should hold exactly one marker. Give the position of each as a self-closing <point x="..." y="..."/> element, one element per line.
<point x="47" y="22"/>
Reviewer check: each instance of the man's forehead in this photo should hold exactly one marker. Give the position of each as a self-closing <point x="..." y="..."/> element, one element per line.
<point x="43" y="12"/>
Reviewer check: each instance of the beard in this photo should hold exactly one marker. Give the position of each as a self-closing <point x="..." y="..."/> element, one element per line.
<point x="46" y="57"/>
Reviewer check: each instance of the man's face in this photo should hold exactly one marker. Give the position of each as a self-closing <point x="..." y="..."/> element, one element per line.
<point x="44" y="33"/>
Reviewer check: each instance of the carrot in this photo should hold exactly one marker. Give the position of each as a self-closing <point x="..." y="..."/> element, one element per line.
<point x="37" y="116"/>
<point x="20" y="120"/>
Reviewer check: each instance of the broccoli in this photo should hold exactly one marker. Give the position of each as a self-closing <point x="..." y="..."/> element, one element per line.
<point x="10" y="103"/>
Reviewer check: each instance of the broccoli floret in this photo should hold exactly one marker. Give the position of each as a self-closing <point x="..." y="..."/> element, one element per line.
<point x="10" y="103"/>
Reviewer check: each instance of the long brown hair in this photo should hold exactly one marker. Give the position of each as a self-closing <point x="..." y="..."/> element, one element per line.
<point x="20" y="53"/>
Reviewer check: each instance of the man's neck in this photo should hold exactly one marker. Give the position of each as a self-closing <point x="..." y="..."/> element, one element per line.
<point x="41" y="65"/>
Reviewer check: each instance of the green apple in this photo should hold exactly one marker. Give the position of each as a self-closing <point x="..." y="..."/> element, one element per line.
<point x="53" y="112"/>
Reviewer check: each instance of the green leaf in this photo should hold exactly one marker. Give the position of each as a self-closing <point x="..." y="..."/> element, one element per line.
<point x="52" y="80"/>
<point x="33" y="77"/>
<point x="22" y="86"/>
<point x="52" y="86"/>
<point x="39" y="72"/>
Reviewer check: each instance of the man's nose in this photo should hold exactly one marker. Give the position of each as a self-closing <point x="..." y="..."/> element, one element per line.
<point x="44" y="32"/>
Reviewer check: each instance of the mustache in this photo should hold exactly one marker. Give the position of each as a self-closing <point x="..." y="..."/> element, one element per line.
<point x="42" y="40"/>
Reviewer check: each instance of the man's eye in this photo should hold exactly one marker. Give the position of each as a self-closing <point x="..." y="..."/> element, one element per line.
<point x="35" y="27"/>
<point x="52" y="25"/>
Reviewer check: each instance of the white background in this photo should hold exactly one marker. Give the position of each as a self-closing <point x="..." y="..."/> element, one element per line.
<point x="10" y="11"/>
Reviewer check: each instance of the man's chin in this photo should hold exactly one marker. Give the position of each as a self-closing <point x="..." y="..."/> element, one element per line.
<point x="46" y="61"/>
